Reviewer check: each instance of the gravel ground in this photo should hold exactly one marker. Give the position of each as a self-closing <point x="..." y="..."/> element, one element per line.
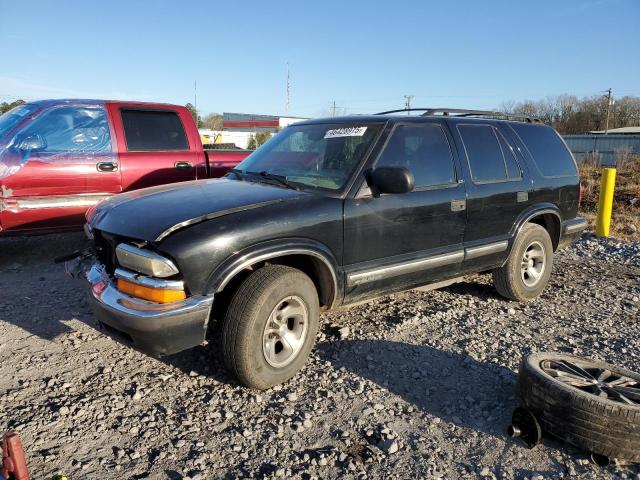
<point x="418" y="384"/>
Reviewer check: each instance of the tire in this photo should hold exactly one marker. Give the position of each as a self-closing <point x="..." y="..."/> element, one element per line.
<point x="510" y="281"/>
<point x="597" y="425"/>
<point x="260" y="300"/>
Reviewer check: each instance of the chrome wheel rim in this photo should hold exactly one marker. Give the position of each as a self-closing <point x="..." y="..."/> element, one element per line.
<point x="533" y="264"/>
<point x="285" y="331"/>
<point x="600" y="382"/>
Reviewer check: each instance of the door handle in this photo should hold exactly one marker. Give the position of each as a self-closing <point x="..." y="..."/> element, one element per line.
<point x="458" y="205"/>
<point x="107" y="166"/>
<point x="184" y="165"/>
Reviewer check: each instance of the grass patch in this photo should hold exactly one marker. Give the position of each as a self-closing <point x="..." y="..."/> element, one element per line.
<point x="625" y="221"/>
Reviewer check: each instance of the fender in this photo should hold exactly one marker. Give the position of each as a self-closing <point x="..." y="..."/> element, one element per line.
<point x="263" y="251"/>
<point x="533" y="211"/>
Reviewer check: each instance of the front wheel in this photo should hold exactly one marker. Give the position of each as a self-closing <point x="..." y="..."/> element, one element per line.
<point x="528" y="268"/>
<point x="270" y="326"/>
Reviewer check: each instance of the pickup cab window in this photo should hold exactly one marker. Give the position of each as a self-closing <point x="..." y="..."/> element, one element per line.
<point x="319" y="156"/>
<point x="153" y="131"/>
<point x="71" y="129"/>
<point x="424" y="150"/>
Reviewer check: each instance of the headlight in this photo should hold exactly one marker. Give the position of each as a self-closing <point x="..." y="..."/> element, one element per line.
<point x="145" y="261"/>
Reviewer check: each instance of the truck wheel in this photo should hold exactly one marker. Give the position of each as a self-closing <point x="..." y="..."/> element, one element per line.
<point x="526" y="272"/>
<point x="270" y="326"/>
<point x="589" y="404"/>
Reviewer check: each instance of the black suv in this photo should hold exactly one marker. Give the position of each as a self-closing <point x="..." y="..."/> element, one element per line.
<point x="330" y="212"/>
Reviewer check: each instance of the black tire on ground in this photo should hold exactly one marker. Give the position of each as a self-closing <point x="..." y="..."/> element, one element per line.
<point x="576" y="415"/>
<point x="247" y="315"/>
<point x="508" y="279"/>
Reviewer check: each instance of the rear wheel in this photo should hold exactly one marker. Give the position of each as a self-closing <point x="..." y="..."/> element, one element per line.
<point x="527" y="271"/>
<point x="270" y="326"/>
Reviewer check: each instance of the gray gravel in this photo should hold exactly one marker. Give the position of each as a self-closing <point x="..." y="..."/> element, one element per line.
<point x="418" y="384"/>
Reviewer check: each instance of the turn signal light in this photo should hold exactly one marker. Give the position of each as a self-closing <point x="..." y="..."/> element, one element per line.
<point x="158" y="295"/>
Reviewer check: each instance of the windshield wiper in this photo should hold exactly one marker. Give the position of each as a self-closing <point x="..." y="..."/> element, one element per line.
<point x="239" y="173"/>
<point x="281" y="179"/>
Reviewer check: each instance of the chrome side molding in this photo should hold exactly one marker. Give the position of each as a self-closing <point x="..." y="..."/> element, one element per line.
<point x="405" y="268"/>
<point x="489" y="249"/>
<point x="435" y="261"/>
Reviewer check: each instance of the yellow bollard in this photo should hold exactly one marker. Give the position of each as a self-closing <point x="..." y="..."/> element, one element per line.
<point x="605" y="202"/>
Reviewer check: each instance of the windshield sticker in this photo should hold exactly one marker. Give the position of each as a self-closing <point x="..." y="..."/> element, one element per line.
<point x="345" y="132"/>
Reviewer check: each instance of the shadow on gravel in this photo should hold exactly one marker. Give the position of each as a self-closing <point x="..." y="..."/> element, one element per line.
<point x="480" y="290"/>
<point x="203" y="360"/>
<point x="450" y="386"/>
<point x="36" y="295"/>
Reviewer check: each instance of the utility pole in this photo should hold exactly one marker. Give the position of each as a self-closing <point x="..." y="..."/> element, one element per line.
<point x="609" y="104"/>
<point x="288" y="104"/>
<point x="407" y="102"/>
<point x="333" y="108"/>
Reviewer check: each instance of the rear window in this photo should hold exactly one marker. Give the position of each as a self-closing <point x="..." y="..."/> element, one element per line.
<point x="547" y="149"/>
<point x="153" y="130"/>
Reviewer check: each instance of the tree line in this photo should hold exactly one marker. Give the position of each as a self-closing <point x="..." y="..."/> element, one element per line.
<point x="6" y="106"/>
<point x="566" y="113"/>
<point x="570" y="114"/>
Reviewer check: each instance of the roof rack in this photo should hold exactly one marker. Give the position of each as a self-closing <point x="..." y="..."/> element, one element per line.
<point x="458" y="112"/>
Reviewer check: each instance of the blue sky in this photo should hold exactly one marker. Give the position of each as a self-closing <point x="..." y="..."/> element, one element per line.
<point x="365" y="55"/>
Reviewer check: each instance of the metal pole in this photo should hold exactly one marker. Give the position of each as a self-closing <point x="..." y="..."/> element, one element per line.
<point x="606" y="125"/>
<point x="605" y="202"/>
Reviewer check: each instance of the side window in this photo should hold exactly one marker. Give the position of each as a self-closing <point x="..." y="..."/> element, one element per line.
<point x="513" y="168"/>
<point x="423" y="149"/>
<point x="490" y="156"/>
<point x="547" y="149"/>
<point x="71" y="129"/>
<point x="153" y="131"/>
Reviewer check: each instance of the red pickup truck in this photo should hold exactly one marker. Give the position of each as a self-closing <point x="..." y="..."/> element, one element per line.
<point x="60" y="157"/>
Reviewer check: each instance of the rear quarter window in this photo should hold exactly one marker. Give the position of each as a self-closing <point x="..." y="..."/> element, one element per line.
<point x="549" y="152"/>
<point x="153" y="131"/>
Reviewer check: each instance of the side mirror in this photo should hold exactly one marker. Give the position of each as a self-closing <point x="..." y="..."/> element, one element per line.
<point x="31" y="142"/>
<point x="392" y="180"/>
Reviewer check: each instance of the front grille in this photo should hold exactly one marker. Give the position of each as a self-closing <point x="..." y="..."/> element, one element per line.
<point x="105" y="244"/>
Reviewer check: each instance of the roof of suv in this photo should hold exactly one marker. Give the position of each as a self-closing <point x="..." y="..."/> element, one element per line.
<point x="383" y="118"/>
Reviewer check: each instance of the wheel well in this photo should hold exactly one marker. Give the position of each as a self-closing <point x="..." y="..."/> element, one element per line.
<point x="315" y="268"/>
<point x="551" y="223"/>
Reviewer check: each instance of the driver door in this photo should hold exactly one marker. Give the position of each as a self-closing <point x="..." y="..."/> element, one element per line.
<point x="397" y="241"/>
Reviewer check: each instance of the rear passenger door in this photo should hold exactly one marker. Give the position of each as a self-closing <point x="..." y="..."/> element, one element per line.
<point x="497" y="190"/>
<point x="395" y="241"/>
<point x="154" y="148"/>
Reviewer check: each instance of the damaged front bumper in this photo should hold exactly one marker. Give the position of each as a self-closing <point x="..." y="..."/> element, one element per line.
<point x="153" y="328"/>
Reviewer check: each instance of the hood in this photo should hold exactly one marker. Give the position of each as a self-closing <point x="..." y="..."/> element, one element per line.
<point x="154" y="213"/>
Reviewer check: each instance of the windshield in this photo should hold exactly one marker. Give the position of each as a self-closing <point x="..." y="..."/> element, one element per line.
<point x="316" y="156"/>
<point x="10" y="119"/>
